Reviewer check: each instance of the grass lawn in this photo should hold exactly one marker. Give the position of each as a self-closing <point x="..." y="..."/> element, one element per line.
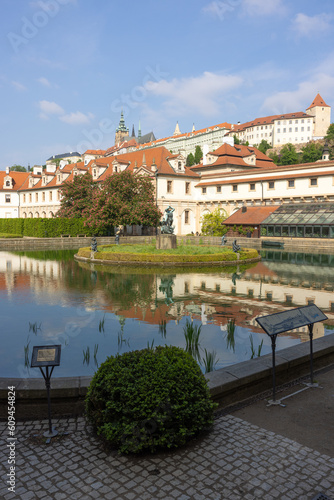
<point x="183" y="253"/>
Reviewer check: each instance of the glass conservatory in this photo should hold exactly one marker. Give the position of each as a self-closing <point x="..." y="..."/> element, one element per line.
<point x="302" y="220"/>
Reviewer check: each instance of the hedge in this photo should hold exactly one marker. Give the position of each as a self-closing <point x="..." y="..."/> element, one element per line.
<point x="149" y="400"/>
<point x="44" y="228"/>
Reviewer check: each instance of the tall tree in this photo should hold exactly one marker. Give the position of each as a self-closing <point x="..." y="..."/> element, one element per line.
<point x="288" y="155"/>
<point x="264" y="146"/>
<point x="311" y="153"/>
<point x="18" y="168"/>
<point x="236" y="139"/>
<point x="124" y="198"/>
<point x="198" y="155"/>
<point x="76" y="196"/>
<point x="212" y="223"/>
<point x="190" y="160"/>
<point x="330" y="134"/>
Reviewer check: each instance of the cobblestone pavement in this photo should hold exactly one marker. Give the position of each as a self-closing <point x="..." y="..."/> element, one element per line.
<point x="237" y="460"/>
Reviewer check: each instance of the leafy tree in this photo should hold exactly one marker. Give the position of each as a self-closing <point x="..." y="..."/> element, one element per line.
<point x="124" y="198"/>
<point x="274" y="156"/>
<point x="330" y="134"/>
<point x="212" y="223"/>
<point x="288" y="155"/>
<point x="264" y="146"/>
<point x="198" y="155"/>
<point x="190" y="160"/>
<point x="311" y="153"/>
<point x="18" y="168"/>
<point x="329" y="137"/>
<point x="236" y="139"/>
<point x="76" y="196"/>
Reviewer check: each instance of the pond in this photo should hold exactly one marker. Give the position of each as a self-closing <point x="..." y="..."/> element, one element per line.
<point x="95" y="311"/>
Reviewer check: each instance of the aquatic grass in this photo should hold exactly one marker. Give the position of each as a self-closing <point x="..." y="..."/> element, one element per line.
<point x="86" y="357"/>
<point x="101" y="324"/>
<point x="150" y="346"/>
<point x="259" y="348"/>
<point x="209" y="361"/>
<point x="34" y="327"/>
<point x="26" y="353"/>
<point x="163" y="328"/>
<point x="96" y="348"/>
<point x="230" y="337"/>
<point x="191" y="334"/>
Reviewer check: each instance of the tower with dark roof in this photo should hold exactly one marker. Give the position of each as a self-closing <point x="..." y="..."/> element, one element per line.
<point x="121" y="130"/>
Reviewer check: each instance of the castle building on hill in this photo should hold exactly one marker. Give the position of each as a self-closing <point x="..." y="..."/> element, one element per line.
<point x="296" y="128"/>
<point x="122" y="134"/>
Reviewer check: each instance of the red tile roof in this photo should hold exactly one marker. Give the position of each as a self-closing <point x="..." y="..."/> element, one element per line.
<point x="19" y="179"/>
<point x="252" y="215"/>
<point x="318" y="101"/>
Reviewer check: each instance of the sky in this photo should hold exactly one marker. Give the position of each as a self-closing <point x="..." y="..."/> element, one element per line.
<point x="68" y="68"/>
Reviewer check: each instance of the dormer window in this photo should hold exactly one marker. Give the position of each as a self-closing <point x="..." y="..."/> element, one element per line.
<point x="179" y="164"/>
<point x="7" y="183"/>
<point x="94" y="172"/>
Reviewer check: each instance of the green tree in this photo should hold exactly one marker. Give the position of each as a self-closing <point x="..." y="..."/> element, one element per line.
<point x="274" y="156"/>
<point x="212" y="223"/>
<point x="311" y="153"/>
<point x="330" y="134"/>
<point x="264" y="146"/>
<point x="190" y="160"/>
<point x="236" y="139"/>
<point x="198" y="155"/>
<point x="123" y="198"/>
<point x="18" y="168"/>
<point x="76" y="196"/>
<point x="288" y="155"/>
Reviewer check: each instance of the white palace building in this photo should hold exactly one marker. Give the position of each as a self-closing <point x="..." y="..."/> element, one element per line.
<point x="230" y="177"/>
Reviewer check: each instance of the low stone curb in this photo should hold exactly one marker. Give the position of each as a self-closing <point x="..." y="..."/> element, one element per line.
<point x="214" y="263"/>
<point x="227" y="386"/>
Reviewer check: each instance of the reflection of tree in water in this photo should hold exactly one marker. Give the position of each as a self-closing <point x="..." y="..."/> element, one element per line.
<point x="123" y="289"/>
<point x="166" y="287"/>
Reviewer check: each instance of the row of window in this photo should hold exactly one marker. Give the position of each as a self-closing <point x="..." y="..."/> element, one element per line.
<point x="298" y="231"/>
<point x="291" y="183"/>
<point x="290" y="129"/>
<point x="28" y="197"/>
<point x="284" y="122"/>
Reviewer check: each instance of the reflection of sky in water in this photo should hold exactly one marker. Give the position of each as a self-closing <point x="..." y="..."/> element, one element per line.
<point x="70" y="302"/>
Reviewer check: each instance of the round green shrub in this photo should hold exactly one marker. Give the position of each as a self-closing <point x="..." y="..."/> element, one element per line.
<point x="150" y="399"/>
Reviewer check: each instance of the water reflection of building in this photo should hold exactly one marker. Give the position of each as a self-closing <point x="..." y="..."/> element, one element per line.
<point x="212" y="297"/>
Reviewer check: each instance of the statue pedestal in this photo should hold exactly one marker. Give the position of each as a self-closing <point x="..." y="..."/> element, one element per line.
<point x="166" y="241"/>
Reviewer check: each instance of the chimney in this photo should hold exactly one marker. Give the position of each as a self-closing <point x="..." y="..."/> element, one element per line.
<point x="7" y="170"/>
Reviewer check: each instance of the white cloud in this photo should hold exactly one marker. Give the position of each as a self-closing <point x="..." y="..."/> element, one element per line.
<point x="302" y="97"/>
<point x="19" y="86"/>
<point x="309" y="26"/>
<point x="44" y="81"/>
<point x="50" y="108"/>
<point x="77" y="118"/>
<point x="263" y="7"/>
<point x="194" y="94"/>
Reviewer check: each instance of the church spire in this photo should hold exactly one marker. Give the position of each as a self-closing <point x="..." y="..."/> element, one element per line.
<point x="177" y="129"/>
<point x="133" y="131"/>
<point x="139" y="130"/>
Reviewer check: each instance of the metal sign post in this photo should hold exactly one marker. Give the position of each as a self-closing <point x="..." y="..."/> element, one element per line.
<point x="273" y="324"/>
<point x="47" y="357"/>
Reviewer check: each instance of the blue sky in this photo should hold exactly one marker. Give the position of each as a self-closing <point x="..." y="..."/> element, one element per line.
<point x="69" y="66"/>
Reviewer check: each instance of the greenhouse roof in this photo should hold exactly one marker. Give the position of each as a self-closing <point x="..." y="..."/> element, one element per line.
<point x="302" y="213"/>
